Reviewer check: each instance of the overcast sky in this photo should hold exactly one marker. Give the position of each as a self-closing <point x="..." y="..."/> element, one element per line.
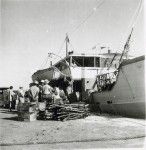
<point x="32" y="28"/>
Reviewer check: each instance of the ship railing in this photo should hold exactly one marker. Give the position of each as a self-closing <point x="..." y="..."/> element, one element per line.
<point x="106" y="81"/>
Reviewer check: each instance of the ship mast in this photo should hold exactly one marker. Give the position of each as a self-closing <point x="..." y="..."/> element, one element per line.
<point x="67" y="41"/>
<point x="126" y="47"/>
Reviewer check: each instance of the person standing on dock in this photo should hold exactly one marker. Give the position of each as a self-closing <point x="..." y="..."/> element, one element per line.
<point x="11" y="95"/>
<point x="21" y="94"/>
<point x="62" y="94"/>
<point x="34" y="92"/>
<point x="57" y="99"/>
<point x="47" y="91"/>
<point x="41" y="91"/>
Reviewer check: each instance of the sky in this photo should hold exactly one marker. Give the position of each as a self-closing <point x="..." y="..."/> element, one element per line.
<point x="29" y="29"/>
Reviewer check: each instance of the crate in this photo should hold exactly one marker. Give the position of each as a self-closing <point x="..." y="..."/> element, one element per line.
<point x="32" y="108"/>
<point x="27" y="112"/>
<point x="23" y="107"/>
<point x="30" y="117"/>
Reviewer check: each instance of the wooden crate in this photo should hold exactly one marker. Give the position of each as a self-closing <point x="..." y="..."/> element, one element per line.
<point x="27" y="112"/>
<point x="30" y="117"/>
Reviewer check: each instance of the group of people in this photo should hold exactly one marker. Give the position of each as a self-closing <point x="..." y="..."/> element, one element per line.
<point x="15" y="97"/>
<point x="43" y="92"/>
<point x="38" y="92"/>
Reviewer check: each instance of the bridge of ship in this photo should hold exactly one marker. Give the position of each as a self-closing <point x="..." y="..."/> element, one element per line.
<point x="75" y="63"/>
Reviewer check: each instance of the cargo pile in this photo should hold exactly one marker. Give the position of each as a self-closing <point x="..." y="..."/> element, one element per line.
<point x="64" y="112"/>
<point x="31" y="112"/>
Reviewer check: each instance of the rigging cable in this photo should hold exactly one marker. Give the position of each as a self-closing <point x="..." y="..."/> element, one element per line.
<point x="62" y="59"/>
<point x="137" y="14"/>
<point x="61" y="72"/>
<point x="61" y="47"/>
<point x="90" y="14"/>
<point x="72" y="46"/>
<point x="131" y="24"/>
<point x="84" y="20"/>
<point x="44" y="62"/>
<point x="133" y="20"/>
<point x="126" y="46"/>
<point x="112" y="61"/>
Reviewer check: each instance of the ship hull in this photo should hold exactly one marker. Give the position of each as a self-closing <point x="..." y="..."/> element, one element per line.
<point x="136" y="109"/>
<point x="127" y="97"/>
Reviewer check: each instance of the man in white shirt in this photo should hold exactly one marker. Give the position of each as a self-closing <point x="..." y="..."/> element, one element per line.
<point x="47" y="91"/>
<point x="34" y="92"/>
<point x="21" y="94"/>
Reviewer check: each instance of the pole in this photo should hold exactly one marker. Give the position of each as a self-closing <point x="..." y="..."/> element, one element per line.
<point x="67" y="41"/>
<point x="126" y="47"/>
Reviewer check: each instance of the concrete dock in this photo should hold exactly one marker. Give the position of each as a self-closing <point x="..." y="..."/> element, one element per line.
<point x="104" y="131"/>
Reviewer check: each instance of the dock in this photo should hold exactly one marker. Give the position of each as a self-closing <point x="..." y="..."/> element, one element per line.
<point x="104" y="131"/>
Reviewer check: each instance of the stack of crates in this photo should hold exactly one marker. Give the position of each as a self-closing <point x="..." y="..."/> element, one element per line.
<point x="27" y="111"/>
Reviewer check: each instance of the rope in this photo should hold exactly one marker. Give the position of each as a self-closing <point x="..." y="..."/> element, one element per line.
<point x="132" y="24"/>
<point x="78" y="26"/>
<point x="71" y="46"/>
<point x="90" y="14"/>
<point x="112" y="61"/>
<point x="137" y="14"/>
<point x="66" y="63"/>
<point x="55" y="68"/>
<point x="61" y="58"/>
<point x="44" y="63"/>
<point x="76" y="62"/>
<point x="61" y="47"/>
<point x="133" y="20"/>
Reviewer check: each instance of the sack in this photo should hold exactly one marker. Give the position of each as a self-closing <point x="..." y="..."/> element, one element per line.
<point x="42" y="106"/>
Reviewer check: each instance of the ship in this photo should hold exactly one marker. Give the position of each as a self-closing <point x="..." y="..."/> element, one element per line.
<point x="126" y="96"/>
<point x="122" y="92"/>
<point x="114" y="81"/>
<point x="76" y="73"/>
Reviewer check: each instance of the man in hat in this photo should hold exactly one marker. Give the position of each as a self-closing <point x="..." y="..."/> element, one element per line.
<point x="47" y="91"/>
<point x="34" y="91"/>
